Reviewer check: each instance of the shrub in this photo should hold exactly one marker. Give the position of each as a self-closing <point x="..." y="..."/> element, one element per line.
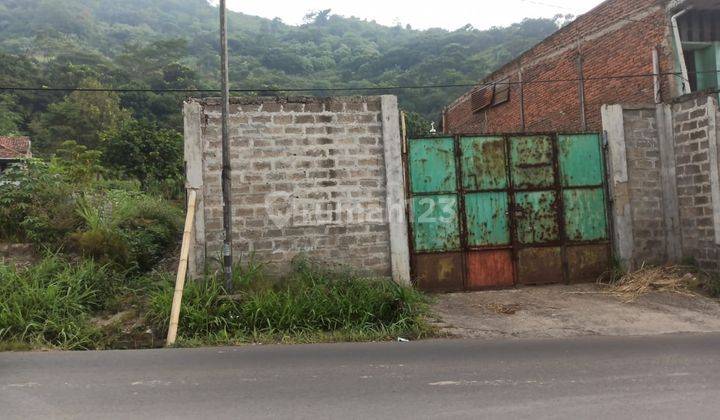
<point x="36" y="204"/>
<point x="49" y="304"/>
<point x="712" y="284"/>
<point x="130" y="229"/>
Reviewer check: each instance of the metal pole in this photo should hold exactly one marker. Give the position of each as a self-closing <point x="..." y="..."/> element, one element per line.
<point x="226" y="168"/>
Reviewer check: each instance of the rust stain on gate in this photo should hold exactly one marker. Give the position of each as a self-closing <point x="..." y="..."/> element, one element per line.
<point x="518" y="209"/>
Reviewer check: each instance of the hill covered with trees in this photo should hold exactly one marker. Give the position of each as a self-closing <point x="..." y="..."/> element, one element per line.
<point x="172" y="44"/>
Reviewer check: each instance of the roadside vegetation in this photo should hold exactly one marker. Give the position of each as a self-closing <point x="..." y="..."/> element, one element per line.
<point x="105" y="274"/>
<point x="310" y="304"/>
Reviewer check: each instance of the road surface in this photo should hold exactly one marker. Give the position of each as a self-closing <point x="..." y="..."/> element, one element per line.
<point x="675" y="376"/>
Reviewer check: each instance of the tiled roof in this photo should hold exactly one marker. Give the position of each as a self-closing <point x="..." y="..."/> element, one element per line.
<point x="14" y="147"/>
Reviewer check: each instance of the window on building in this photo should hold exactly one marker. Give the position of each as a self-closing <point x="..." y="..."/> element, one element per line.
<point x="482" y="98"/>
<point x="502" y="92"/>
<point x="700" y="38"/>
<point x="491" y="95"/>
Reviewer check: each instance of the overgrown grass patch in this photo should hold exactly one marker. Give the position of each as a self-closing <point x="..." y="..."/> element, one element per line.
<point x="49" y="304"/>
<point x="310" y="305"/>
<point x="77" y="304"/>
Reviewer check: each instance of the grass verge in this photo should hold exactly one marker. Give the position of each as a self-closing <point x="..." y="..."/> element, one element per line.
<point x="310" y="305"/>
<point x="80" y="304"/>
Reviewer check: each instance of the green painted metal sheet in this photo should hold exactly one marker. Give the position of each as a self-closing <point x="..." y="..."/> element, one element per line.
<point x="536" y="217"/>
<point x="585" y="217"/>
<point x="707" y="63"/>
<point x="432" y="165"/>
<point x="483" y="163"/>
<point x="487" y="218"/>
<point x="531" y="160"/>
<point x="580" y="160"/>
<point x="435" y="223"/>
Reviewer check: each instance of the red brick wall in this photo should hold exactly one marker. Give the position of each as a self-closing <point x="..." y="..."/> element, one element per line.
<point x="616" y="38"/>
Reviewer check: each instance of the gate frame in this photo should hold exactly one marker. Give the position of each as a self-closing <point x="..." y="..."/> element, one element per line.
<point x="514" y="247"/>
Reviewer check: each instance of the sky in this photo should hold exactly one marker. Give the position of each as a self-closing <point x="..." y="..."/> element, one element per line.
<point x="447" y="14"/>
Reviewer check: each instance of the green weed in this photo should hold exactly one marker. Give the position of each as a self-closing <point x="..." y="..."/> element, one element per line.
<point x="49" y="304"/>
<point x="309" y="305"/>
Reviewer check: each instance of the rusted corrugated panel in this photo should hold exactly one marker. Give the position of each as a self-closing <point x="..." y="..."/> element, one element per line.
<point x="540" y="265"/>
<point x="585" y="216"/>
<point x="489" y="269"/>
<point x="536" y="217"/>
<point x="531" y="162"/>
<point x="586" y="263"/>
<point x="580" y="160"/>
<point x="438" y="272"/>
<point x="435" y="223"/>
<point x="487" y="219"/>
<point x="432" y="165"/>
<point x="484" y="164"/>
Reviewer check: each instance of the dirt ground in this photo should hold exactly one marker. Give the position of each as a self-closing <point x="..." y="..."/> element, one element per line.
<point x="566" y="311"/>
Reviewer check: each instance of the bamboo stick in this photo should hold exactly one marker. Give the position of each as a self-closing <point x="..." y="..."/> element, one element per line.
<point x="404" y="132"/>
<point x="182" y="270"/>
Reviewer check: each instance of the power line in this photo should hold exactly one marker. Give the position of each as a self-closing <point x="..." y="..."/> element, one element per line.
<point x="342" y="89"/>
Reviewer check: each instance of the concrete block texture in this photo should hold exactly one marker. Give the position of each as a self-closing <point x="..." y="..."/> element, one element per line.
<point x="665" y="174"/>
<point x="308" y="177"/>
<point x="698" y="186"/>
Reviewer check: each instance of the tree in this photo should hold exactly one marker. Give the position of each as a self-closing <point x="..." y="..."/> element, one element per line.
<point x="10" y="119"/>
<point x="417" y="125"/>
<point x="142" y="150"/>
<point x="81" y="117"/>
<point x="79" y="164"/>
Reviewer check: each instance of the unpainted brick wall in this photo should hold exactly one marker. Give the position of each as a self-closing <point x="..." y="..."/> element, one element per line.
<point x="616" y="38"/>
<point x="643" y="162"/>
<point x="316" y="164"/>
<point x="691" y="128"/>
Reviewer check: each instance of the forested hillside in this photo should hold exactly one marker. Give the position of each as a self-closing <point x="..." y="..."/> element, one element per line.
<point x="161" y="44"/>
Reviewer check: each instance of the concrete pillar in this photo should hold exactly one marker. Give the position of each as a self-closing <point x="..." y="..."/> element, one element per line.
<point x="614" y="128"/>
<point x="712" y="109"/>
<point x="395" y="198"/>
<point x="668" y="180"/>
<point x="193" y="150"/>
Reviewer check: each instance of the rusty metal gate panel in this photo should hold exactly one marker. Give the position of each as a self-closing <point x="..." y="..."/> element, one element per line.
<point x="436" y="223"/>
<point x="432" y="166"/>
<point x="495" y="211"/>
<point x="588" y="251"/>
<point x="484" y="163"/>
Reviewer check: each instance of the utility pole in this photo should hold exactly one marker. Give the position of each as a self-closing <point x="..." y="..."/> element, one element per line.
<point x="226" y="168"/>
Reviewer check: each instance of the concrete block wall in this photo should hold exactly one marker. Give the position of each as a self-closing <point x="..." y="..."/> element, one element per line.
<point x="309" y="176"/>
<point x="664" y="181"/>
<point x="643" y="163"/>
<point x="697" y="176"/>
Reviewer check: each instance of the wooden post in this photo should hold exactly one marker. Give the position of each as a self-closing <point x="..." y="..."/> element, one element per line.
<point x="182" y="269"/>
<point x="403" y="126"/>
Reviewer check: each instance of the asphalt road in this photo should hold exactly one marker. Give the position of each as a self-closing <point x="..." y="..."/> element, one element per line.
<point x="593" y="377"/>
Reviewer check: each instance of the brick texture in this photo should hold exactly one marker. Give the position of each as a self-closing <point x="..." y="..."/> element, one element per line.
<point x="690" y="124"/>
<point x="308" y="177"/>
<point x="616" y="38"/>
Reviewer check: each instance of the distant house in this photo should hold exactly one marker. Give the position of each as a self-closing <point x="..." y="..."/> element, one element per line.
<point x="13" y="149"/>
<point x="622" y="51"/>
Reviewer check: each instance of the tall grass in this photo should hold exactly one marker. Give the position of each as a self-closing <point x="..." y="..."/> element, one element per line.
<point x="49" y="304"/>
<point x="309" y="302"/>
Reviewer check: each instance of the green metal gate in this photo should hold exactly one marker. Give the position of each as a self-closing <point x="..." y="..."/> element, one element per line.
<point x="495" y="211"/>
